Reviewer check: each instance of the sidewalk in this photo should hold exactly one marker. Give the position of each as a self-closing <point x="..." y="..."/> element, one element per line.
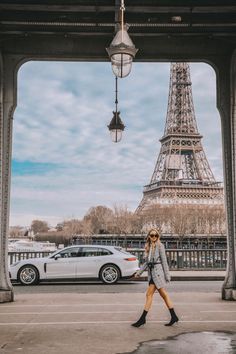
<point x="97" y="323"/>
<point x="191" y="275"/>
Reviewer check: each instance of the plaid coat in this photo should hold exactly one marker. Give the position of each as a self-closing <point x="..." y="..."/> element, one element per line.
<point x="160" y="273"/>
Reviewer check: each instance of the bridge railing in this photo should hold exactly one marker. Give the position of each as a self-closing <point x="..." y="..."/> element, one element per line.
<point x="195" y="259"/>
<point x="18" y="256"/>
<point x="213" y="242"/>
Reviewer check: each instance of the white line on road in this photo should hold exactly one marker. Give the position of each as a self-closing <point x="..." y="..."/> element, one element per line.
<point x="115" y="304"/>
<point x="84" y="312"/>
<point x="218" y="311"/>
<point x="96" y="322"/>
<point x="63" y="312"/>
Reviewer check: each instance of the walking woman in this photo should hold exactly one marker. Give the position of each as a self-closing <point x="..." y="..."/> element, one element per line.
<point x="158" y="276"/>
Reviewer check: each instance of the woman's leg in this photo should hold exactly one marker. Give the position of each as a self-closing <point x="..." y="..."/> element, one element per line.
<point x="165" y="297"/>
<point x="149" y="296"/>
<point x="169" y="304"/>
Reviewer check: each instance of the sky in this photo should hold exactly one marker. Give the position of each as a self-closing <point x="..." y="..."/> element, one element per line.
<point x="63" y="159"/>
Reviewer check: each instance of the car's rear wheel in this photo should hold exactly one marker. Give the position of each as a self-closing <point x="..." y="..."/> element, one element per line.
<point x="28" y="275"/>
<point x="109" y="274"/>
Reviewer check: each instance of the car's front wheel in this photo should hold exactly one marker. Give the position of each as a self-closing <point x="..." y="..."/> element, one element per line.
<point x="110" y="274"/>
<point x="28" y="275"/>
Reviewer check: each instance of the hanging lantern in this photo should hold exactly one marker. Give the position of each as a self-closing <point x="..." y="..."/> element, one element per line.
<point x="116" y="126"/>
<point x="122" y="50"/>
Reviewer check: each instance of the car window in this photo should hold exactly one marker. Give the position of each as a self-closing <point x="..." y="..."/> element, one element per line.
<point x="94" y="252"/>
<point x="70" y="252"/>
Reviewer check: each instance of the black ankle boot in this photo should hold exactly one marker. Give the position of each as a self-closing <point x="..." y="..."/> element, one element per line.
<point x="174" y="318"/>
<point x="141" y="321"/>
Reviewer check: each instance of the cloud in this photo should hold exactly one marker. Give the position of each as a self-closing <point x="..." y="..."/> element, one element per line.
<point x="63" y="158"/>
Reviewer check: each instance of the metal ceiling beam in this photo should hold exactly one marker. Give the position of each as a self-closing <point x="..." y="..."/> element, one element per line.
<point x="132" y="8"/>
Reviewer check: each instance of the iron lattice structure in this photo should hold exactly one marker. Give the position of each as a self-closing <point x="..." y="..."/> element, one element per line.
<point x="182" y="174"/>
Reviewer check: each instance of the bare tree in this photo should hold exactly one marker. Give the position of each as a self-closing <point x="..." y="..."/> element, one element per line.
<point x="122" y="220"/>
<point x="39" y="226"/>
<point x="16" y="231"/>
<point x="186" y="219"/>
<point x="97" y="219"/>
<point x="72" y="227"/>
<point x="137" y="223"/>
<point x="181" y="220"/>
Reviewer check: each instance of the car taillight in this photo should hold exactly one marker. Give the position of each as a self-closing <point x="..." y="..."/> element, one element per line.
<point x="130" y="259"/>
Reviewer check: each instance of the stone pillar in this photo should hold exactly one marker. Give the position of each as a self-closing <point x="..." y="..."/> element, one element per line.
<point x="7" y="106"/>
<point x="226" y="100"/>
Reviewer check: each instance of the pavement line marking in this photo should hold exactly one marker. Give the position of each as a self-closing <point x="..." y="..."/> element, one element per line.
<point x="83" y="312"/>
<point x="114" y="304"/>
<point x="62" y="312"/>
<point x="97" y="322"/>
<point x="218" y="311"/>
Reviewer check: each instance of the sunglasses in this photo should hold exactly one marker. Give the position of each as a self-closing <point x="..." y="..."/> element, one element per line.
<point x="153" y="235"/>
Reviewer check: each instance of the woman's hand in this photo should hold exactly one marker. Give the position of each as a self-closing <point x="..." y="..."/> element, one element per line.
<point x="136" y="275"/>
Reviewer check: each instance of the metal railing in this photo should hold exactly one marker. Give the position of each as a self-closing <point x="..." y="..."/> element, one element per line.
<point x="183" y="183"/>
<point x="195" y="259"/>
<point x="128" y="241"/>
<point x="18" y="256"/>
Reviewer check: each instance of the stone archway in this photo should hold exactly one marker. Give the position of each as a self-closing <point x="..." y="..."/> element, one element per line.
<point x="49" y="41"/>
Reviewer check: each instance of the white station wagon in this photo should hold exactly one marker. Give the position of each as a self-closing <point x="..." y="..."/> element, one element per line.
<point x="106" y="263"/>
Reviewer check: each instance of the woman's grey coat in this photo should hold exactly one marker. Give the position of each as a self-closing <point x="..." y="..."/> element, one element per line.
<point x="160" y="273"/>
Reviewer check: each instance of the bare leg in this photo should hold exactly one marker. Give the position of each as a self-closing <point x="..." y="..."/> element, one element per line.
<point x="165" y="297"/>
<point x="169" y="304"/>
<point x="149" y="296"/>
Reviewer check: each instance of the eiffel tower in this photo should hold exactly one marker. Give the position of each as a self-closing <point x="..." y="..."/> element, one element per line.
<point x="182" y="174"/>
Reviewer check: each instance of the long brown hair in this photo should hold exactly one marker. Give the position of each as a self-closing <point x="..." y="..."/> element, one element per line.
<point x="148" y="240"/>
